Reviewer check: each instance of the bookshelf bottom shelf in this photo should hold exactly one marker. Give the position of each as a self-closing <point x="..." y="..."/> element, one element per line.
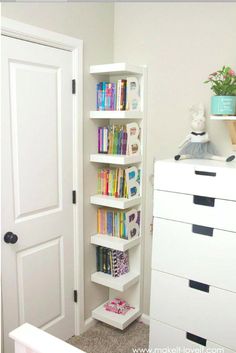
<point x="113" y="319"/>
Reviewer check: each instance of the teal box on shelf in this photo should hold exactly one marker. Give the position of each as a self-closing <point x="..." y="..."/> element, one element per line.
<point x="223" y="105"/>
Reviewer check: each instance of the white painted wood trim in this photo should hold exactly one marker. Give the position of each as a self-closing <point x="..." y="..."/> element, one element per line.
<point x="28" y="337"/>
<point x="89" y="323"/>
<point x="38" y="35"/>
<point x="34" y="34"/>
<point x="145" y="319"/>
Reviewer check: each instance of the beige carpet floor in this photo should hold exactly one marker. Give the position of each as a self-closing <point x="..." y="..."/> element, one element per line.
<point x="105" y="339"/>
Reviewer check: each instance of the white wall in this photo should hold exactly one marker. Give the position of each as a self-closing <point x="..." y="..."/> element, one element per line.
<point x="93" y="23"/>
<point x="181" y="43"/>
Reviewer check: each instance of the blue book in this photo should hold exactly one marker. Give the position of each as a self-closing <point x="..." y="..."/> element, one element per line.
<point x="104" y="84"/>
<point x="109" y="222"/>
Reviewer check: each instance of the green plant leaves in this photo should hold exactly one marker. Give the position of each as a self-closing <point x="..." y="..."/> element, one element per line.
<point x="223" y="82"/>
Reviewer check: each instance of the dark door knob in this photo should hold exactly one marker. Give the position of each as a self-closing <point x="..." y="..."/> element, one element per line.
<point x="10" y="238"/>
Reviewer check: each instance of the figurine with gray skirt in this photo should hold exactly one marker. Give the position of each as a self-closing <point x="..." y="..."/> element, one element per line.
<point x="197" y="144"/>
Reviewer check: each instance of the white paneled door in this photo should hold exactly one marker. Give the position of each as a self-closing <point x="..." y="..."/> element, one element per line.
<point x="37" y="182"/>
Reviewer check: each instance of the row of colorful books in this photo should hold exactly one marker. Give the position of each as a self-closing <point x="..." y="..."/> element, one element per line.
<point x="112" y="139"/>
<point x="112" y="262"/>
<point x="114" y="223"/>
<point x="123" y="95"/>
<point x="112" y="182"/>
<point x="106" y="96"/>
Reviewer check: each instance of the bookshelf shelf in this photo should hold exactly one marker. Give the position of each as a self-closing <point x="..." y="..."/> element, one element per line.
<point x="116" y="320"/>
<point x="117" y="86"/>
<point x="115" y="159"/>
<point x="115" y="114"/>
<point x="115" y="243"/>
<point x="110" y="201"/>
<point x="231" y="124"/>
<point x="116" y="69"/>
<point x="118" y="283"/>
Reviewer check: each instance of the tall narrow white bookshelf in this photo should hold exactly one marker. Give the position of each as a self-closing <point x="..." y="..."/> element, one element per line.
<point x="128" y="286"/>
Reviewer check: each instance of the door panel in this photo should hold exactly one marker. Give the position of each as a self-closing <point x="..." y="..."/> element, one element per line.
<point x="37" y="183"/>
<point x="35" y="84"/>
<point x="48" y="269"/>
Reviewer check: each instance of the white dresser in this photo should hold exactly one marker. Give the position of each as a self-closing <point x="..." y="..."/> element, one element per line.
<point x="193" y="288"/>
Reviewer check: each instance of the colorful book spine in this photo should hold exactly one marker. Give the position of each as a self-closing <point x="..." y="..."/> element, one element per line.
<point x="113" y="96"/>
<point x="114" y="223"/>
<point x="112" y="262"/>
<point x="123" y="95"/>
<point x="112" y="139"/>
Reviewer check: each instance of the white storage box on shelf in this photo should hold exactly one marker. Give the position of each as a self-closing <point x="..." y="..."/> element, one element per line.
<point x="193" y="288"/>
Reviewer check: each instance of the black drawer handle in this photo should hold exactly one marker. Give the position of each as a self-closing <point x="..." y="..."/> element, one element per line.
<point x="199" y="172"/>
<point x="204" y="201"/>
<point x="196" y="339"/>
<point x="202" y="230"/>
<point x="199" y="286"/>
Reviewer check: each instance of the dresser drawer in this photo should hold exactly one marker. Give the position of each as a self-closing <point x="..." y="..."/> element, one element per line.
<point x="207" y="178"/>
<point x="208" y="255"/>
<point x="211" y="315"/>
<point x="164" y="336"/>
<point x="219" y="214"/>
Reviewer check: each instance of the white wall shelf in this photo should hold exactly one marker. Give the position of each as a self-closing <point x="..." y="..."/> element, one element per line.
<point x="118" y="283"/>
<point x="116" y="320"/>
<point x="231" y="123"/>
<point x="116" y="69"/>
<point x="115" y="243"/>
<point x="223" y="117"/>
<point x="115" y="114"/>
<point x="115" y="202"/>
<point x="115" y="159"/>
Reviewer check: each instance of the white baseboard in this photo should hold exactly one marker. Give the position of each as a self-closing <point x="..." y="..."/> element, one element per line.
<point x="145" y="319"/>
<point x="90" y="322"/>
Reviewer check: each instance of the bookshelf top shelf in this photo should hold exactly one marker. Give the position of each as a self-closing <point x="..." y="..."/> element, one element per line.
<point x="117" y="69"/>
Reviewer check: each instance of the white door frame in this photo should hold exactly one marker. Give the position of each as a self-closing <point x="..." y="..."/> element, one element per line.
<point x="15" y="29"/>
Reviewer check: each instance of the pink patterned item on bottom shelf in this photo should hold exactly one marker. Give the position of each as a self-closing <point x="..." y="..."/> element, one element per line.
<point x="118" y="306"/>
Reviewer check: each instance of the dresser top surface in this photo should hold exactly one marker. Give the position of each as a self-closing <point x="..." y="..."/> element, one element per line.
<point x="198" y="162"/>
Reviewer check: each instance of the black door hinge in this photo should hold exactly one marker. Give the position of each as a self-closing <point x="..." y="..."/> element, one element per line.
<point x="75" y="296"/>
<point x="73" y="86"/>
<point x="73" y="196"/>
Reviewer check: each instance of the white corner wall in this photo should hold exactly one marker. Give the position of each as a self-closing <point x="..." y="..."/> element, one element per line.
<point x="181" y="43"/>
